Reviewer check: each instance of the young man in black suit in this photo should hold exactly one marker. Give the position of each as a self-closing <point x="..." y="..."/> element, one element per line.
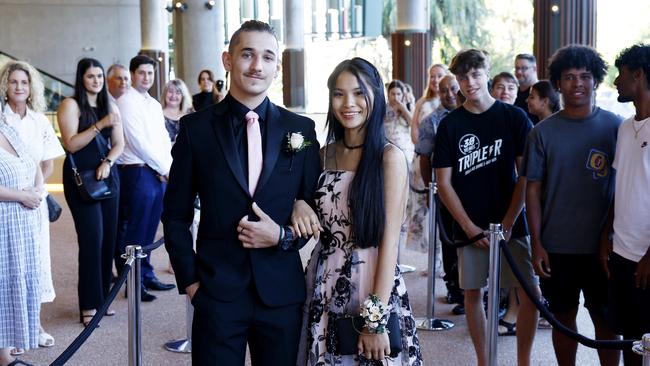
<point x="245" y="279"/>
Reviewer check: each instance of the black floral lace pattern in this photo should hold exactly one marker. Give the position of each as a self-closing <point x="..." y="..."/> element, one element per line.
<point x="339" y="277"/>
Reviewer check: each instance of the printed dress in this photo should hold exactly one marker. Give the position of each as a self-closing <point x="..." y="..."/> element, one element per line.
<point x="37" y="134"/>
<point x="19" y="266"/>
<point x="339" y="277"/>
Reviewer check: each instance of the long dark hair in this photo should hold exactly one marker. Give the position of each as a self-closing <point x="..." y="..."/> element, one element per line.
<point x="366" y="192"/>
<point x="545" y="89"/>
<point x="87" y="116"/>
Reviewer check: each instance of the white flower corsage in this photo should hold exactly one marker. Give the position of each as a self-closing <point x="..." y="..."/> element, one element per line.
<point x="295" y="143"/>
<point x="375" y="314"/>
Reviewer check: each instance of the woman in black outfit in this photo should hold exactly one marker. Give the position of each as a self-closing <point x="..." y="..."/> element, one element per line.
<point x="88" y="121"/>
<point x="210" y="93"/>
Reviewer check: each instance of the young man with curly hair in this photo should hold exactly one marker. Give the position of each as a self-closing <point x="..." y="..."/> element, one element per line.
<point x="570" y="185"/>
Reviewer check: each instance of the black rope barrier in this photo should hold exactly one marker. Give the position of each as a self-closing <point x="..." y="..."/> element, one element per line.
<point x="444" y="237"/>
<point x="624" y="345"/>
<point x="101" y="312"/>
<point x="153" y="246"/>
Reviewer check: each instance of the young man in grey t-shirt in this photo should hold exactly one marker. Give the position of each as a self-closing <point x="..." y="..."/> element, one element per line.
<point x="570" y="184"/>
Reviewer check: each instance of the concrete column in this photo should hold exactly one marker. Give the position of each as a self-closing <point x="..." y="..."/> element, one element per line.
<point x="293" y="57"/>
<point x="411" y="44"/>
<point x="248" y="9"/>
<point x="153" y="31"/>
<point x="199" y="36"/>
<point x="558" y="23"/>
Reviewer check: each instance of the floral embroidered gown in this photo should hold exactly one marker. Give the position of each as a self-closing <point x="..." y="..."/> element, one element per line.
<point x="340" y="276"/>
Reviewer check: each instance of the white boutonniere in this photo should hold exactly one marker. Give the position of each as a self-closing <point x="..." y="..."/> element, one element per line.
<point x="295" y="144"/>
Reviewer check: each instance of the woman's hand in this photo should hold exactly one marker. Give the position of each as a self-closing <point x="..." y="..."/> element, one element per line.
<point x="109" y="120"/>
<point x="304" y="220"/>
<point x="374" y="346"/>
<point x="31" y="197"/>
<point x="103" y="170"/>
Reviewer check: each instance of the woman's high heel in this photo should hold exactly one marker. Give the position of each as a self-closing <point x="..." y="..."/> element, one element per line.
<point x="85" y="319"/>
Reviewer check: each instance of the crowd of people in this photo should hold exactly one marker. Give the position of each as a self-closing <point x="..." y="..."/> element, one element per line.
<point x="537" y="156"/>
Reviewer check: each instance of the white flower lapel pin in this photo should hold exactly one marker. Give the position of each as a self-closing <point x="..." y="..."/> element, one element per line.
<point x="295" y="144"/>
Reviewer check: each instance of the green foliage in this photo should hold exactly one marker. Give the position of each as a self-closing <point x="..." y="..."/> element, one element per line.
<point x="457" y="24"/>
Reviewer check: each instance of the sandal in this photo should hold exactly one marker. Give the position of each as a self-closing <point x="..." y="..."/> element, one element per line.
<point x="510" y="328"/>
<point x="45" y="339"/>
<point x="85" y="319"/>
<point x="17" y="351"/>
<point x="18" y="361"/>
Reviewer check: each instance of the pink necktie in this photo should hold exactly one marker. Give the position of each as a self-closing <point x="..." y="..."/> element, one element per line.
<point x="255" y="158"/>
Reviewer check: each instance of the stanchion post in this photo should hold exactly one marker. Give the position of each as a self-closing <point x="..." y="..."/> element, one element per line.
<point x="184" y="345"/>
<point x="431" y="322"/>
<point x="133" y="294"/>
<point x="496" y="232"/>
<point x="642" y="348"/>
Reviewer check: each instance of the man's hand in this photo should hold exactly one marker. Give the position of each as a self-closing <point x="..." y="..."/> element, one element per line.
<point x="191" y="289"/>
<point x="540" y="261"/>
<point x="304" y="220"/>
<point x="642" y="273"/>
<point x="261" y="234"/>
<point x="606" y="247"/>
<point x="374" y="346"/>
<point x="473" y="231"/>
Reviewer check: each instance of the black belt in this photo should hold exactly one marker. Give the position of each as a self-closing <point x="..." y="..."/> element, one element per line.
<point x="125" y="166"/>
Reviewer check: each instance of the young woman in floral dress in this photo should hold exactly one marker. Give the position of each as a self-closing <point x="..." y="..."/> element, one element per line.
<point x="360" y="203"/>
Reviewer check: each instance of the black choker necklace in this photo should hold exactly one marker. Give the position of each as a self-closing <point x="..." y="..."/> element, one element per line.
<point x="351" y="147"/>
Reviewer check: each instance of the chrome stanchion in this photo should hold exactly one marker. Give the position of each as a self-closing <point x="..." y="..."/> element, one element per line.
<point x="642" y="348"/>
<point x="431" y="322"/>
<point x="134" y="252"/>
<point x="496" y="233"/>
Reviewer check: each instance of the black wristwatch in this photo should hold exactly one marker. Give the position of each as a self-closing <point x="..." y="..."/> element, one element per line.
<point x="286" y="238"/>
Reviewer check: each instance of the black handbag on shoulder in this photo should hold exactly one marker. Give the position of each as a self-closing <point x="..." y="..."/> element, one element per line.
<point x="53" y="208"/>
<point x="91" y="189"/>
<point x="348" y="329"/>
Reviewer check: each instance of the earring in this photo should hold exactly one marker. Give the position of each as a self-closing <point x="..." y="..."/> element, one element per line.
<point x="29" y="99"/>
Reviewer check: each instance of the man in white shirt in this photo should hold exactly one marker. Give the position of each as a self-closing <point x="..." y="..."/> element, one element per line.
<point x="144" y="168"/>
<point x="626" y="258"/>
<point x="118" y="81"/>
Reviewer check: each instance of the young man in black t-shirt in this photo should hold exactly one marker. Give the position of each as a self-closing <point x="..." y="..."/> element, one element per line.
<point x="478" y="148"/>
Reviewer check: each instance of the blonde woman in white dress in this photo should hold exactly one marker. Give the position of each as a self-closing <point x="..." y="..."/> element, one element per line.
<point x="22" y="89"/>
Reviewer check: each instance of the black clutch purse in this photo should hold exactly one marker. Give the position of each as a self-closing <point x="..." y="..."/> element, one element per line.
<point x="91" y="189"/>
<point x="53" y="208"/>
<point x="349" y="327"/>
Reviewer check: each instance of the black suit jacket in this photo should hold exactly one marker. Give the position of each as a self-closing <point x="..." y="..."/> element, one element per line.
<point x="206" y="162"/>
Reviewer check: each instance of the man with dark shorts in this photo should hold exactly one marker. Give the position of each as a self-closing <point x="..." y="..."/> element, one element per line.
<point x="478" y="150"/>
<point x="628" y="264"/>
<point x="570" y="186"/>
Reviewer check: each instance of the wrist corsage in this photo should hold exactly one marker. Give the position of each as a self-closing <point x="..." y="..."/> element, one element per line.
<point x="295" y="143"/>
<point x="375" y="314"/>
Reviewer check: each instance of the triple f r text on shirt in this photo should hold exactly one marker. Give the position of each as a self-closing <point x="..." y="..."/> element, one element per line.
<point x="476" y="157"/>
